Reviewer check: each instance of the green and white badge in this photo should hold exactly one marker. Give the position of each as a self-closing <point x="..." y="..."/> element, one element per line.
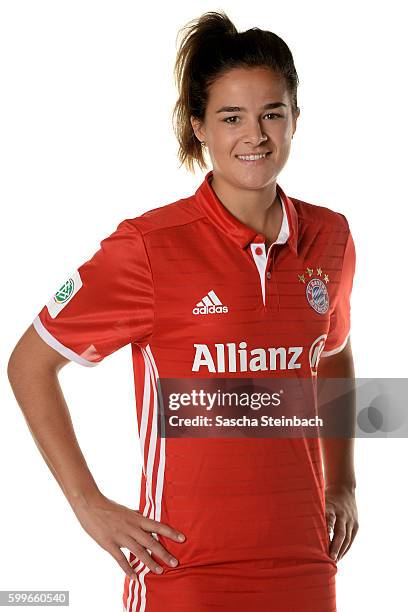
<point x="64" y="294"/>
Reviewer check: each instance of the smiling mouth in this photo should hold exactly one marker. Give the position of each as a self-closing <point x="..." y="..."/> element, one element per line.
<point x="252" y="157"/>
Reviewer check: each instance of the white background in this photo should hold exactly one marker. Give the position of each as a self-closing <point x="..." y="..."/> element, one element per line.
<point x="86" y="141"/>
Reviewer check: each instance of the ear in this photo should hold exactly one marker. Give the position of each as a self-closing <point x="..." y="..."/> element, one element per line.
<point x="294" y="121"/>
<point x="197" y="128"/>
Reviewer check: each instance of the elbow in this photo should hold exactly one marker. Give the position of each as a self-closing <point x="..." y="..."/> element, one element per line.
<point x="33" y="358"/>
<point x="14" y="367"/>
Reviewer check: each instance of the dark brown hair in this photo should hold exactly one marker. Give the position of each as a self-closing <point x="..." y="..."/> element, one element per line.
<point x="211" y="46"/>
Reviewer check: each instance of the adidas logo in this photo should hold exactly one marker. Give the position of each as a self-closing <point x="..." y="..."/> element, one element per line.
<point x="210" y="304"/>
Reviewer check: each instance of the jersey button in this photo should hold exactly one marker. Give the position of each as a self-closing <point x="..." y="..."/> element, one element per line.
<point x="258" y="251"/>
<point x="268" y="275"/>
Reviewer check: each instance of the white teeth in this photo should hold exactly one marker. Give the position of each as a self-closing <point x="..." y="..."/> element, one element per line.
<point x="251" y="157"/>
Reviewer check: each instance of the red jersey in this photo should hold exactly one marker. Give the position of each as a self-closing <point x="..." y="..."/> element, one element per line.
<point x="195" y="293"/>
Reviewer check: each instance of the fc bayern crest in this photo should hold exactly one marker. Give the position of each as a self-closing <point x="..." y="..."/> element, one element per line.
<point x="317" y="295"/>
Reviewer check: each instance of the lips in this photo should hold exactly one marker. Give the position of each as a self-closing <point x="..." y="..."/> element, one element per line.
<point x="260" y="160"/>
<point x="258" y="153"/>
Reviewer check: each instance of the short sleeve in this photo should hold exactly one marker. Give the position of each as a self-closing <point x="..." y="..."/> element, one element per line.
<point x="107" y="303"/>
<point x="340" y="318"/>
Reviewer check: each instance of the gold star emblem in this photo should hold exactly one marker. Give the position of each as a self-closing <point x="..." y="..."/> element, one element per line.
<point x="310" y="271"/>
<point x="326" y="278"/>
<point x="301" y="277"/>
<point x="319" y="271"/>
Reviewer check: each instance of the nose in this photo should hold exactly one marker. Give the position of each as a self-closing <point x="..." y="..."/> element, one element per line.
<point x="255" y="135"/>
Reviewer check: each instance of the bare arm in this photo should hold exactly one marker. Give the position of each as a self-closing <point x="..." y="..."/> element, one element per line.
<point x="338" y="458"/>
<point x="33" y="374"/>
<point x="338" y="453"/>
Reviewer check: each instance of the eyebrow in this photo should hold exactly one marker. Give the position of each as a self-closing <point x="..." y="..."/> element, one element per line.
<point x="236" y="109"/>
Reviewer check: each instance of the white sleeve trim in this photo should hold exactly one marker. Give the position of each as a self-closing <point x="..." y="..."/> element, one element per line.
<point x="56" y="344"/>
<point x="335" y="350"/>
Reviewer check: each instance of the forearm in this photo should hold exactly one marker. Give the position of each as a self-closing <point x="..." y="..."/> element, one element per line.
<point x="41" y="400"/>
<point x="338" y="452"/>
<point x="338" y="459"/>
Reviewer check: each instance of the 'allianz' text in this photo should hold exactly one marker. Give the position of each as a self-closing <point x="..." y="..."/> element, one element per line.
<point x="228" y="358"/>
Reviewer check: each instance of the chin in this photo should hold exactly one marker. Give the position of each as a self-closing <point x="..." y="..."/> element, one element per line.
<point x="250" y="180"/>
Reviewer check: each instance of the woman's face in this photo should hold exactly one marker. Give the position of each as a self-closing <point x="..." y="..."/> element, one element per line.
<point x="229" y="132"/>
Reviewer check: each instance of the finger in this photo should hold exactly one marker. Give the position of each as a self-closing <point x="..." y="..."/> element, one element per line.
<point x="338" y="538"/>
<point x="330" y="529"/>
<point x="142" y="555"/>
<point x="353" y="535"/>
<point x="161" y="528"/>
<point x="346" y="541"/>
<point x="122" y="561"/>
<point x="151" y="544"/>
<point x="330" y="520"/>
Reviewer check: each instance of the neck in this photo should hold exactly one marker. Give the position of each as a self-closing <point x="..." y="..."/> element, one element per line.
<point x="259" y="209"/>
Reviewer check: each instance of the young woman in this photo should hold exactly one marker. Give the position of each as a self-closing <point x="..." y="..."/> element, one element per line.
<point x="238" y="280"/>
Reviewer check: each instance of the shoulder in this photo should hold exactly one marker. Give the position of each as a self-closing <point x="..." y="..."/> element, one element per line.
<point x="166" y="217"/>
<point x="317" y="215"/>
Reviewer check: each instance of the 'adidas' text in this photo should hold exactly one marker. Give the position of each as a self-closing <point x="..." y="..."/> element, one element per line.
<point x="210" y="304"/>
